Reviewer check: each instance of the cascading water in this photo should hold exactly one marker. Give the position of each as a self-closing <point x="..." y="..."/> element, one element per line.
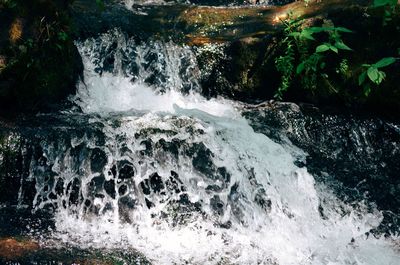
<point x="159" y="169"/>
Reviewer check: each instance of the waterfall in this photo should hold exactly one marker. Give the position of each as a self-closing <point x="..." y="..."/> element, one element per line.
<point x="159" y="169"/>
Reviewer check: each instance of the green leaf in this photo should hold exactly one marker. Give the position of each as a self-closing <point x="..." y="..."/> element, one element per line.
<point x="316" y="29"/>
<point x="333" y="48"/>
<point x="367" y="90"/>
<point x="62" y="36"/>
<point x="385" y="62"/>
<point x="323" y="47"/>
<point x="361" y="78"/>
<point x="300" y="67"/>
<point x="305" y="34"/>
<point x="342" y="46"/>
<point x="295" y="34"/>
<point x="342" y="29"/>
<point x="379" y="3"/>
<point x="375" y="75"/>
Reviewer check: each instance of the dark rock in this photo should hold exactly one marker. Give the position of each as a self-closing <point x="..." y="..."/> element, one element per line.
<point x="109" y="187"/>
<point x="359" y="157"/>
<point x="217" y="205"/>
<point x="156" y="183"/>
<point x="202" y="159"/>
<point x="126" y="170"/>
<point x="98" y="160"/>
<point x="125" y="207"/>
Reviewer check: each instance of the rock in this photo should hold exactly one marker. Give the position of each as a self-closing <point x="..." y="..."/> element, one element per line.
<point x="358" y="156"/>
<point x="12" y="249"/>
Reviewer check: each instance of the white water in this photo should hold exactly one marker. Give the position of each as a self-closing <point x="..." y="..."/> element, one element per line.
<point x="287" y="231"/>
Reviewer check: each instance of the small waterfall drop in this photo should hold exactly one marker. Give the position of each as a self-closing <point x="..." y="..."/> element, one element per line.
<point x="186" y="180"/>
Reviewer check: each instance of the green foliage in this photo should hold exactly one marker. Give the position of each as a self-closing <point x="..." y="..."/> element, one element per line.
<point x="9" y="3"/>
<point x="388" y="6"/>
<point x="343" y="68"/>
<point x="311" y="62"/>
<point x="285" y="63"/>
<point x="374" y="74"/>
<point x="379" y="3"/>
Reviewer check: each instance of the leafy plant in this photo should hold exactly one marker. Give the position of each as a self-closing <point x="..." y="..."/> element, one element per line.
<point x="311" y="62"/>
<point x="389" y="7"/>
<point x="285" y="63"/>
<point x="343" y="68"/>
<point x="374" y="74"/>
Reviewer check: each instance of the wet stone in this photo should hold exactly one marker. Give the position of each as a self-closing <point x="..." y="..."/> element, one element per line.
<point x="96" y="184"/>
<point x="145" y="185"/>
<point x="109" y="187"/>
<point x="74" y="191"/>
<point x="156" y="183"/>
<point x="107" y="207"/>
<point x="78" y="155"/>
<point x="214" y="187"/>
<point x="126" y="170"/>
<point x="223" y="173"/>
<point x="126" y="205"/>
<point x="122" y="190"/>
<point x="173" y="185"/>
<point x="202" y="159"/>
<point x="149" y="204"/>
<point x="60" y="186"/>
<point x="217" y="205"/>
<point x="52" y="196"/>
<point x="98" y="160"/>
<point x="262" y="201"/>
<point x="171" y="147"/>
<point x="148" y="145"/>
<point x="113" y="171"/>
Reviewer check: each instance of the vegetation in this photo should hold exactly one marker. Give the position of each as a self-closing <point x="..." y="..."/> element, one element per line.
<point x="314" y="56"/>
<point x="40" y="61"/>
<point x="375" y="75"/>
<point x="311" y="61"/>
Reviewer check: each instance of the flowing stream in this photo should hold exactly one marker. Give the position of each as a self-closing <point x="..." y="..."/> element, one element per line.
<point x="153" y="166"/>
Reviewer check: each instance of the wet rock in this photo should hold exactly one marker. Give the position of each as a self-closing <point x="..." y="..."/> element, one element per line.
<point x="74" y="190"/>
<point x="10" y="167"/>
<point x="122" y="190"/>
<point x="174" y="183"/>
<point x="362" y="154"/>
<point x="156" y="183"/>
<point x="125" y="208"/>
<point x="126" y="170"/>
<point x="217" y="205"/>
<point x="262" y="200"/>
<point x="109" y="187"/>
<point x="96" y="185"/>
<point x="202" y="159"/>
<point x="98" y="160"/>
<point x="12" y="249"/>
